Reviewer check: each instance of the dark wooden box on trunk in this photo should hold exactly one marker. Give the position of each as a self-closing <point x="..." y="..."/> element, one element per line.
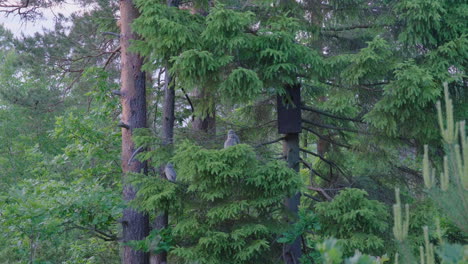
<point x="289" y="110"/>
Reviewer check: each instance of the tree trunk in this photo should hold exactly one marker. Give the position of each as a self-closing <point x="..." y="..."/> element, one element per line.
<point x="292" y="253"/>
<point x="133" y="98"/>
<point x="168" y="111"/>
<point x="206" y="124"/>
<point x="168" y="119"/>
<point x="289" y="123"/>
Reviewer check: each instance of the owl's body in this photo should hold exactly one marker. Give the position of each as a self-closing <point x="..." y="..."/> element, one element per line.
<point x="171" y="175"/>
<point x="232" y="139"/>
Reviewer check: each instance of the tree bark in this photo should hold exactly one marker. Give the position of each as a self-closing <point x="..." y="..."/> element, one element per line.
<point x="206" y="124"/>
<point x="133" y="98"/>
<point x="289" y="123"/>
<point x="168" y="119"/>
<point x="168" y="111"/>
<point x="292" y="252"/>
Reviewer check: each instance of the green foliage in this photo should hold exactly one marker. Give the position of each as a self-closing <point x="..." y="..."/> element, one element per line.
<point x="307" y="222"/>
<point x="220" y="52"/>
<point x="232" y="204"/>
<point x="405" y="100"/>
<point x="155" y="193"/>
<point x="242" y="78"/>
<point x="430" y="23"/>
<point x="382" y="61"/>
<point x="36" y="213"/>
<point x="59" y="147"/>
<point x="331" y="253"/>
<point x="422" y="18"/>
<point x="167" y="31"/>
<point x="157" y="242"/>
<point x="450" y="196"/>
<point x="366" y="65"/>
<point x="237" y="204"/>
<point x="357" y="222"/>
<point x="452" y="253"/>
<point x="454" y="174"/>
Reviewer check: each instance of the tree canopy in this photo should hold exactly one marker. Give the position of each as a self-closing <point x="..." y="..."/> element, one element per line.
<point x="93" y="111"/>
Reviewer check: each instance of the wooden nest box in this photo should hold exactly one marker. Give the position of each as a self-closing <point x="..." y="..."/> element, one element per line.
<point x="289" y="110"/>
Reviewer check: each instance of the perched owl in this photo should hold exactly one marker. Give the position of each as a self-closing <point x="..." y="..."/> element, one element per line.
<point x="232" y="139"/>
<point x="171" y="175"/>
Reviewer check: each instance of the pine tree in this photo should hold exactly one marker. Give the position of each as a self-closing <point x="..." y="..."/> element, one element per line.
<point x="133" y="98"/>
<point x="226" y="206"/>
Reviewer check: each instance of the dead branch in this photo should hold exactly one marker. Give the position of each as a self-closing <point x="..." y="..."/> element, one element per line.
<point x="311" y="197"/>
<point x="326" y="139"/>
<point x="335" y="128"/>
<point x="313" y="171"/>
<point x="321" y="191"/>
<point x="315" y="110"/>
<point x="329" y="162"/>
<point x="269" y="142"/>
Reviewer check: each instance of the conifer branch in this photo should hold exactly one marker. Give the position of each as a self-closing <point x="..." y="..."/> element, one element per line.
<point x="190" y="103"/>
<point x="116" y="92"/>
<point x="407" y="170"/>
<point x="321" y="191"/>
<point x="311" y="197"/>
<point x="312" y="170"/>
<point x="117" y="35"/>
<point x="335" y="128"/>
<point x="326" y="139"/>
<point x="138" y="150"/>
<point x="315" y="110"/>
<point x="100" y="234"/>
<point x="113" y="53"/>
<point x="329" y="162"/>
<point x="335" y="29"/>
<point x="374" y="84"/>
<point x="123" y="125"/>
<point x="29" y="13"/>
<point x="269" y="142"/>
<point x="316" y="155"/>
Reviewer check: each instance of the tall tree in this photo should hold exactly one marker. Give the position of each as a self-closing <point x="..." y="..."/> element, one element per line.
<point x="167" y="129"/>
<point x="289" y="123"/>
<point x="133" y="98"/>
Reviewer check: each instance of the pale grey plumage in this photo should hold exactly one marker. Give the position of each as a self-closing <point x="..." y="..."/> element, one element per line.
<point x="232" y="139"/>
<point x="171" y="174"/>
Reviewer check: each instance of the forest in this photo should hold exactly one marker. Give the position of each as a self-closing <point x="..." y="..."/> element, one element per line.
<point x="234" y="132"/>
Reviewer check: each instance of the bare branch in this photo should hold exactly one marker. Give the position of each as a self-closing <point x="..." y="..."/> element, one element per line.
<point x="190" y="103"/>
<point x="313" y="171"/>
<point x="329" y="162"/>
<point x="335" y="128"/>
<point x="138" y="150"/>
<point x="97" y="233"/>
<point x="334" y="29"/>
<point x="316" y="155"/>
<point x="113" y="53"/>
<point x="326" y="139"/>
<point x="321" y="191"/>
<point x="311" y="197"/>
<point x="313" y="109"/>
<point x="269" y="142"/>
<point x="117" y="35"/>
<point x="123" y="125"/>
<point x="116" y="92"/>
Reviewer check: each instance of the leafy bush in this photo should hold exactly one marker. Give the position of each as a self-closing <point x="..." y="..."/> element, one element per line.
<point x="358" y="223"/>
